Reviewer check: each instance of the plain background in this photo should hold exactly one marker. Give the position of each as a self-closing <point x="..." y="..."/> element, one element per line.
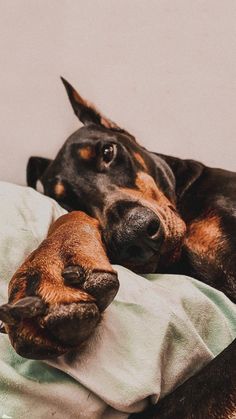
<point x="163" y="69"/>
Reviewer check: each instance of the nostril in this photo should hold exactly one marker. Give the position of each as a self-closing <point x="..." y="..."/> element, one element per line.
<point x="153" y="228"/>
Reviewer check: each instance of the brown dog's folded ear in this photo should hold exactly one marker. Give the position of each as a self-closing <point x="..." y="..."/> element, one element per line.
<point x="84" y="110"/>
<point x="36" y="166"/>
<point x="186" y="172"/>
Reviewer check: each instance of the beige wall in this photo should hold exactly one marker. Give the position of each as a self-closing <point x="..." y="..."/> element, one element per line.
<point x="164" y="69"/>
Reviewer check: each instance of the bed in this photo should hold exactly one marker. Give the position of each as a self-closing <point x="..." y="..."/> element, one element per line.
<point x="159" y="331"/>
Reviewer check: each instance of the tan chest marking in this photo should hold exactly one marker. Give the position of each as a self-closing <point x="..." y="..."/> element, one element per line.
<point x="205" y="237"/>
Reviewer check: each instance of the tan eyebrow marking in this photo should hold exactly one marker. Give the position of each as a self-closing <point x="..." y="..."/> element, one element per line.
<point x="86" y="153"/>
<point x="59" y="189"/>
<point x="141" y="161"/>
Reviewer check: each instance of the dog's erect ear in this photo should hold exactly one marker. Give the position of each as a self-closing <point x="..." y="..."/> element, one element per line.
<point x="36" y="166"/>
<point x="84" y="110"/>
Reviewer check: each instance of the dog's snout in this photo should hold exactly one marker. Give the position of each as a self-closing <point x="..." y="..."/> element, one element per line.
<point x="138" y="234"/>
<point x="142" y="224"/>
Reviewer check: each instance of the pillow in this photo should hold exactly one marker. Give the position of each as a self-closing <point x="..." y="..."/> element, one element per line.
<point x="159" y="330"/>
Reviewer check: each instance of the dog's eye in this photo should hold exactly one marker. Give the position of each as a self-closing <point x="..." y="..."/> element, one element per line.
<point x="108" y="153"/>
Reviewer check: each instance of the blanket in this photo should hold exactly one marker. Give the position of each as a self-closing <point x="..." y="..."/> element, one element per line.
<point x="159" y="330"/>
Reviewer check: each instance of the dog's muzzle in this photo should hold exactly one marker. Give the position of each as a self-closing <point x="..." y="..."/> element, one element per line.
<point x="134" y="238"/>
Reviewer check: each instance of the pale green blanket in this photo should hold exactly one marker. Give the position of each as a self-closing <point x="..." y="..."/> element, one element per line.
<point x="154" y="335"/>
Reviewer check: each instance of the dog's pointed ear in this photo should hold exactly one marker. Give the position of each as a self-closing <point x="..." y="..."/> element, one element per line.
<point x="36" y="166"/>
<point x="84" y="110"/>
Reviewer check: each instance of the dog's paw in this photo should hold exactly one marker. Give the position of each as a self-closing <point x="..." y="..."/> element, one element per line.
<point x="52" y="310"/>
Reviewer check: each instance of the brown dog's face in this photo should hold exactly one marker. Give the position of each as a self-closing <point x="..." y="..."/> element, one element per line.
<point x="103" y="171"/>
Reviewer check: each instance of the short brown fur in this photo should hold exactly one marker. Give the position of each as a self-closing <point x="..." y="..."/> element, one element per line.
<point x="205" y="237"/>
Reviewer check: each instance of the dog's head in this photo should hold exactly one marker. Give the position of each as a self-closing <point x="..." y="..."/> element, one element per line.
<point x="103" y="171"/>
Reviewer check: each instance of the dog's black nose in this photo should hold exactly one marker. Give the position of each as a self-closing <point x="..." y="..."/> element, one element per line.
<point x="138" y="235"/>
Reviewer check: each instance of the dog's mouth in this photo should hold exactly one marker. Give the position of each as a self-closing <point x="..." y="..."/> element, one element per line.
<point x="149" y="266"/>
<point x="156" y="262"/>
<point x="147" y="256"/>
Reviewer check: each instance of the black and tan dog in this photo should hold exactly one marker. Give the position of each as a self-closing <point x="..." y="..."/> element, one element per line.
<point x="156" y="213"/>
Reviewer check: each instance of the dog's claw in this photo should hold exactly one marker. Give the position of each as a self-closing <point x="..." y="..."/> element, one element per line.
<point x="29" y="307"/>
<point x="73" y="275"/>
<point x="23" y="309"/>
